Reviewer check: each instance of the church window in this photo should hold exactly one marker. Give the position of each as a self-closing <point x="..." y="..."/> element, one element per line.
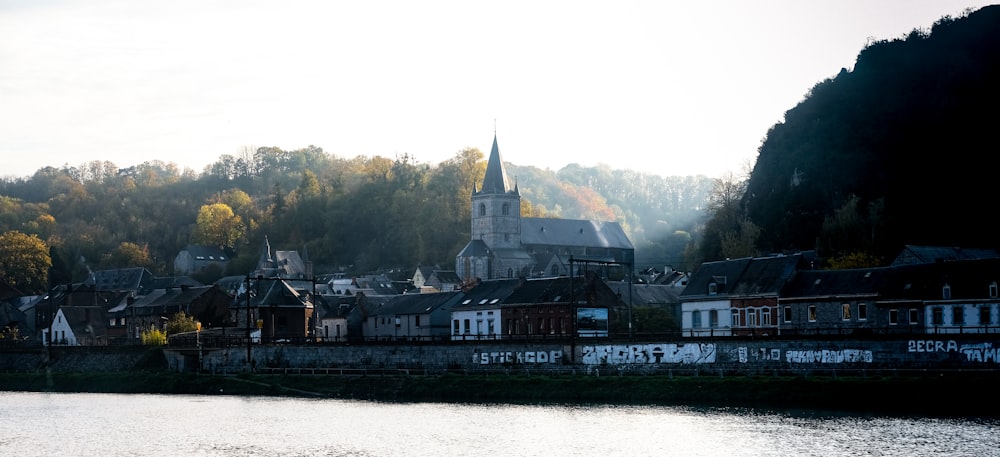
<point x="555" y="270"/>
<point x="482" y="209"/>
<point x="505" y="209"/>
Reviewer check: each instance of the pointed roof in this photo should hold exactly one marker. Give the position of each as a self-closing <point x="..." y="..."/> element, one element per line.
<point x="495" y="181"/>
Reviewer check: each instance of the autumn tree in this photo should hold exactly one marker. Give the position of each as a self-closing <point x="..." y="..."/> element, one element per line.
<point x="127" y="255"/>
<point x="24" y="262"/>
<point x="218" y="226"/>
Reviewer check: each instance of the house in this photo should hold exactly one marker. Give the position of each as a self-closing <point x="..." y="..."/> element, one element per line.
<point x="840" y="302"/>
<point x="196" y="258"/>
<point x="77" y="314"/>
<point x="738" y="297"/>
<point x="422" y="317"/>
<point x="951" y="297"/>
<point x="280" y="310"/>
<point x="209" y="305"/>
<point x="282" y="264"/>
<point x="652" y="308"/>
<point x="134" y="280"/>
<point x="441" y="281"/>
<point x="560" y="307"/>
<point x="506" y="245"/>
<point x="478" y="316"/>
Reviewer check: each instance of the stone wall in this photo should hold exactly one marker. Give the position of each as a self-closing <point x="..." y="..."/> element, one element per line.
<point x="728" y="355"/>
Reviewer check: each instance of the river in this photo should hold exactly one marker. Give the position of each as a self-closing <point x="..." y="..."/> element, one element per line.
<point x="81" y="424"/>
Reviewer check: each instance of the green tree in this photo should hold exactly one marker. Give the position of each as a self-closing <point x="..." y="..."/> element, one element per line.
<point x="24" y="262"/>
<point x="218" y="226"/>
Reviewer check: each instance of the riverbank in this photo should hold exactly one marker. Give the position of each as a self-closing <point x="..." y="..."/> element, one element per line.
<point x="939" y="395"/>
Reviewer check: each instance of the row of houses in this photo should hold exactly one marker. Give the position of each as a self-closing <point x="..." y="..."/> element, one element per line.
<point x="927" y="290"/>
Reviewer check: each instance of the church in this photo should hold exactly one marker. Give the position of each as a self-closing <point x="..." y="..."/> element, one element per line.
<point x="506" y="245"/>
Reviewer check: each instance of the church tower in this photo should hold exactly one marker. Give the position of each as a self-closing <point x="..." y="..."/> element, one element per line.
<point x="496" y="207"/>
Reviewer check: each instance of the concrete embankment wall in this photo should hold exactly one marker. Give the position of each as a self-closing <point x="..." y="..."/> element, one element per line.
<point x="933" y="352"/>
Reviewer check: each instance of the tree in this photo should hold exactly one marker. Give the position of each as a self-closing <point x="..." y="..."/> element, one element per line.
<point x="181" y="323"/>
<point x="24" y="262"/>
<point x="127" y="255"/>
<point x="218" y="226"/>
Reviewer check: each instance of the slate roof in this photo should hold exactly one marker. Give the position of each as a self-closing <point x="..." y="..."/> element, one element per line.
<point x="131" y="279"/>
<point x="495" y="181"/>
<point x="646" y="294"/>
<point x="968" y="279"/>
<point x="573" y="232"/>
<point x="758" y="276"/>
<point x="475" y="248"/>
<point x="419" y="303"/>
<point x="489" y="293"/>
<point x="206" y="253"/>
<point x="929" y="254"/>
<point x="553" y="290"/>
<point x="838" y="283"/>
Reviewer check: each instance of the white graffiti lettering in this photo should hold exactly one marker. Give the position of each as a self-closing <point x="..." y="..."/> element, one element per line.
<point x="648" y="354"/>
<point x="981" y="353"/>
<point x="826" y="356"/>
<point x="931" y="346"/>
<point x="527" y="357"/>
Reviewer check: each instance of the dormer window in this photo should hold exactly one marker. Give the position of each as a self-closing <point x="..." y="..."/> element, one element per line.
<point x="993" y="289"/>
<point x="713" y="288"/>
<point x="946" y="292"/>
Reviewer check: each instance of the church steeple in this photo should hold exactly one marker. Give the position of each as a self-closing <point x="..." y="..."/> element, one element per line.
<point x="495" y="181"/>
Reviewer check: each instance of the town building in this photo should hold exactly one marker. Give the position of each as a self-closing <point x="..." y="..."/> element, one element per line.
<point x="506" y="245"/>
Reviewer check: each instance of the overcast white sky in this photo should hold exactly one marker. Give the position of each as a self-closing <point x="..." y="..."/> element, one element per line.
<point x="665" y="87"/>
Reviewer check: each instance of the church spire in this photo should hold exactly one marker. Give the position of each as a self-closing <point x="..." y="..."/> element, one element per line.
<point x="495" y="181"/>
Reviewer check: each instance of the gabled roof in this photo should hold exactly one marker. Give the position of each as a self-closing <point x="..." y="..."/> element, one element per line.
<point x="174" y="281"/>
<point x="206" y="253"/>
<point x="555" y="290"/>
<point x="966" y="279"/>
<point x="645" y="294"/>
<point x="475" y="248"/>
<point x="929" y="254"/>
<point x="572" y="232"/>
<point x="489" y="293"/>
<point x="419" y="303"/>
<point x="837" y="283"/>
<point x="744" y="277"/>
<point x="131" y="279"/>
<point x="446" y="276"/>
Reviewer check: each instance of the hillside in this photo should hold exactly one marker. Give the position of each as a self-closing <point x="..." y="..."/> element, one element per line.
<point x="352" y="215"/>
<point x="893" y="152"/>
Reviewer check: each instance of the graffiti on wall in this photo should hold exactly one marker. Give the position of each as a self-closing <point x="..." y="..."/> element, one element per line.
<point x="747" y="355"/>
<point x="516" y="357"/>
<point x="979" y="352"/>
<point x="622" y="354"/>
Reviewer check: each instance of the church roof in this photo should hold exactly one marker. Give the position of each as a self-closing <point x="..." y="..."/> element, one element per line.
<point x="495" y="181"/>
<point x="572" y="232"/>
<point x="475" y="248"/>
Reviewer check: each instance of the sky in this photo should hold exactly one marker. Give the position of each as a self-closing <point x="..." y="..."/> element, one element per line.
<point x="664" y="87"/>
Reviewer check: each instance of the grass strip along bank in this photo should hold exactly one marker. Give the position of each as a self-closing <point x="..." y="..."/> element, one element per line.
<point x="925" y="395"/>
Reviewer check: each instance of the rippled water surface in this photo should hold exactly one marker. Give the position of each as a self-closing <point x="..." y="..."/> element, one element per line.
<point x="38" y="424"/>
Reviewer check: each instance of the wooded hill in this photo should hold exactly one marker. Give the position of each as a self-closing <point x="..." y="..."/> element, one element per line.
<point x="347" y="215"/>
<point x="896" y="151"/>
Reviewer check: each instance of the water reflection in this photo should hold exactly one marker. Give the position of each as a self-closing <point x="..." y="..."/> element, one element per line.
<point x="141" y="425"/>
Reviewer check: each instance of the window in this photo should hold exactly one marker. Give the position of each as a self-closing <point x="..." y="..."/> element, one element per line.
<point x="555" y="270"/>
<point x="862" y="312"/>
<point x="468" y="326"/>
<point x="713" y="288"/>
<point x="751" y="317"/>
<point x="765" y="317"/>
<point x="812" y="313"/>
<point x="788" y="314"/>
<point x="946" y="292"/>
<point x="736" y="318"/>
<point x="489" y="327"/>
<point x="510" y="273"/>
<point x="914" y="316"/>
<point x="416" y="322"/>
<point x="893" y="317"/>
<point x="505" y="209"/>
<point x="993" y="289"/>
<point x="713" y="318"/>
<point x="846" y="311"/>
<point x="695" y="319"/>
<point x="984" y="315"/>
<point x="937" y="316"/>
<point x="958" y="315"/>
<point x="482" y="209"/>
<point x="455" y="327"/>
